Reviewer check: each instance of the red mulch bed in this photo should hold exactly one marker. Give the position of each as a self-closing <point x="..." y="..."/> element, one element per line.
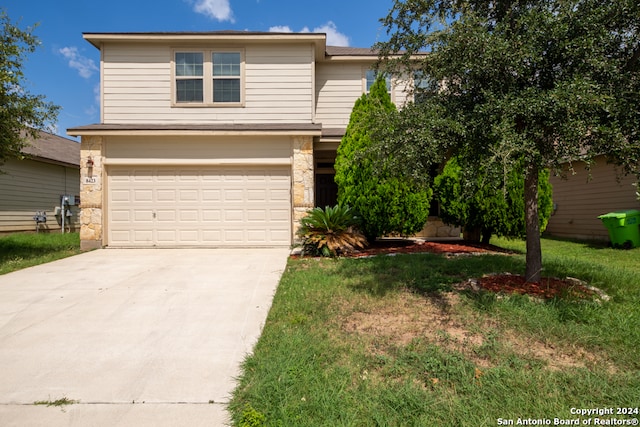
<point x="498" y="283"/>
<point x="389" y="246"/>
<point x="548" y="287"/>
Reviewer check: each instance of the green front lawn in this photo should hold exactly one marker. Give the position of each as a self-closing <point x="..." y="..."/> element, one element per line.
<point x="388" y="341"/>
<point x="22" y="250"/>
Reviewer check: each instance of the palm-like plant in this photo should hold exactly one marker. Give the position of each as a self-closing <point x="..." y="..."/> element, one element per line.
<point x="330" y="231"/>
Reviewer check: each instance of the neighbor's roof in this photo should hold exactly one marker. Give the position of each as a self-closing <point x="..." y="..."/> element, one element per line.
<point x="52" y="148"/>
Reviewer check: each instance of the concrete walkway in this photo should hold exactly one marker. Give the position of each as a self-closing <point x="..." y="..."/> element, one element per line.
<point x="138" y="337"/>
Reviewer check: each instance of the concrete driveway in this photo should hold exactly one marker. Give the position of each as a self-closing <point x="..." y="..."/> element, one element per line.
<point x="137" y="337"/>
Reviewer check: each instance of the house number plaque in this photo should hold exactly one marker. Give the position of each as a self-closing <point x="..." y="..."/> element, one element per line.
<point x="91" y="180"/>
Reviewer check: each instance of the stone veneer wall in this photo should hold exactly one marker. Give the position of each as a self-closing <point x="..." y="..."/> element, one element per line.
<point x="91" y="188"/>
<point x="436" y="228"/>
<point x="303" y="185"/>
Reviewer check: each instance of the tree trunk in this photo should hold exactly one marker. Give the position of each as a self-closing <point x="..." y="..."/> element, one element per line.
<point x="472" y="234"/>
<point x="486" y="236"/>
<point x="533" y="271"/>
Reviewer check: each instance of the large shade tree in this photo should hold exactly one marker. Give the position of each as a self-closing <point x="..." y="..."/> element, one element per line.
<point x="488" y="201"/>
<point x="532" y="83"/>
<point x="21" y="113"/>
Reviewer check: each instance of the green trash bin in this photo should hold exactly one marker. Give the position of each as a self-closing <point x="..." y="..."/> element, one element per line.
<point x="624" y="228"/>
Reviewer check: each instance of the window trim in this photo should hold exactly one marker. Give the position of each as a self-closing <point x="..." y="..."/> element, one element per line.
<point x="390" y="91"/>
<point x="207" y="78"/>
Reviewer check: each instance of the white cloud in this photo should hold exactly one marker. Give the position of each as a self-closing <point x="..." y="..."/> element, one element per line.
<point x="85" y="66"/>
<point x="334" y="37"/>
<point x="216" y="9"/>
<point x="280" y="29"/>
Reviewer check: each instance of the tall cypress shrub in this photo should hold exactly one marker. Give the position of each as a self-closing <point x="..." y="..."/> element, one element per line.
<point x="386" y="203"/>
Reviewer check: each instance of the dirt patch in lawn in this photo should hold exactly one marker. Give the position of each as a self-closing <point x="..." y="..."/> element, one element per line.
<point x="396" y="321"/>
<point x="406" y="316"/>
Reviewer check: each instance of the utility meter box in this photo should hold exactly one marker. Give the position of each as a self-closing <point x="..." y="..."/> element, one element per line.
<point x="68" y="200"/>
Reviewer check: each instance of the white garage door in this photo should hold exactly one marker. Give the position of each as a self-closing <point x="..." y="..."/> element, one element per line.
<point x="167" y="206"/>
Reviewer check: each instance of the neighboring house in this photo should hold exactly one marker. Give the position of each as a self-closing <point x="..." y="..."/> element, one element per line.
<point x="215" y="139"/>
<point x="581" y="198"/>
<point x="50" y="169"/>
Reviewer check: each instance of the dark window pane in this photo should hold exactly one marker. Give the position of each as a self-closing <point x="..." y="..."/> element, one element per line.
<point x="226" y="90"/>
<point x="371" y="76"/>
<point x="226" y="63"/>
<point x="189" y="90"/>
<point x="189" y="63"/>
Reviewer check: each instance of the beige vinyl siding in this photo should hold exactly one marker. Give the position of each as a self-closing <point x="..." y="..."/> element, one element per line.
<point x="137" y="86"/>
<point x="29" y="186"/>
<point x="579" y="203"/>
<point x="175" y="150"/>
<point x="338" y="85"/>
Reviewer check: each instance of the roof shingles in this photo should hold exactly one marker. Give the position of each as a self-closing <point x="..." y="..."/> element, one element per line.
<point x="53" y="148"/>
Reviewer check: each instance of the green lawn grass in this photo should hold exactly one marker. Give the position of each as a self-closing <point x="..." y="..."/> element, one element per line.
<point x="22" y="250"/>
<point x="389" y="341"/>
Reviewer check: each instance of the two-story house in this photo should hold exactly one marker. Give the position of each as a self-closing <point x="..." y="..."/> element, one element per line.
<point x="215" y="139"/>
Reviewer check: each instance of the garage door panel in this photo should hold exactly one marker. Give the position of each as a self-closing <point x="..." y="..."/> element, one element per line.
<point x="166" y="195"/>
<point x="143" y="216"/>
<point x="120" y="216"/>
<point x="212" y="236"/>
<point x="233" y="195"/>
<point x="189" y="215"/>
<point x="143" y="195"/>
<point x="211" y="195"/>
<point x="166" y="236"/>
<point x="189" y="237"/>
<point x="279" y="195"/>
<point x="142" y="236"/>
<point x="142" y="175"/>
<point x="232" y="236"/>
<point x="233" y="216"/>
<point x="165" y="215"/>
<point x="211" y="215"/>
<point x="279" y="215"/>
<point x="167" y="206"/>
<point x="259" y="215"/>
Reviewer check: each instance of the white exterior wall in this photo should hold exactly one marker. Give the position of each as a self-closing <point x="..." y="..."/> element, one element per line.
<point x="137" y="86"/>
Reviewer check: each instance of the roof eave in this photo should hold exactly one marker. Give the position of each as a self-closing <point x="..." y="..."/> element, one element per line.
<point x="197" y="130"/>
<point x="318" y="39"/>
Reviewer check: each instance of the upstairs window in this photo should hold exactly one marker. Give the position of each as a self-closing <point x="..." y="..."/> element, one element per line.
<point x="423" y="86"/>
<point x="206" y="78"/>
<point x="370" y="79"/>
<point x="189" y="77"/>
<point x="226" y="76"/>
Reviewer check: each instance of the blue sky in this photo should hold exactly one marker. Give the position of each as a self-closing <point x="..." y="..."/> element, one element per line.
<point x="65" y="68"/>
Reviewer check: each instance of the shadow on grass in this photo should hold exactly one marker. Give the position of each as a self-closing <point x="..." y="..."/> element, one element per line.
<point x="590" y="244"/>
<point x="423" y="273"/>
